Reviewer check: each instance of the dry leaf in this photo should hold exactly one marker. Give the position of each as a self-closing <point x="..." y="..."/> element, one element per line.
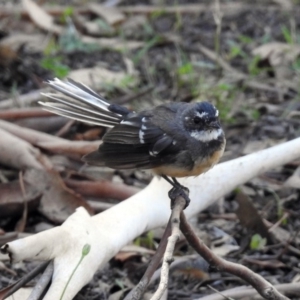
<point x="17" y="153"/>
<point x="114" y="43"/>
<point x="277" y="53"/>
<point x="112" y="15"/>
<point x="33" y="42"/>
<point x="95" y="27"/>
<point x="57" y="202"/>
<point x="7" y="55"/>
<point x="294" y="180"/>
<point x="272" y="264"/>
<point x="3" y="267"/>
<point x="249" y="216"/>
<point x="280" y="56"/>
<point x="12" y="199"/>
<point x="98" y="76"/>
<point x="285" y="4"/>
<point x="40" y="17"/>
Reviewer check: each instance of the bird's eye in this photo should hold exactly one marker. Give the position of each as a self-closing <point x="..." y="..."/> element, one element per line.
<point x="197" y="120"/>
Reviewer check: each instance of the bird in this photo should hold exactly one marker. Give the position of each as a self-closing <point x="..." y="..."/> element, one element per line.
<point x="174" y="140"/>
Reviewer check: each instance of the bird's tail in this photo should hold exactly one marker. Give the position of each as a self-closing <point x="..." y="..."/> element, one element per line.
<point x="79" y="102"/>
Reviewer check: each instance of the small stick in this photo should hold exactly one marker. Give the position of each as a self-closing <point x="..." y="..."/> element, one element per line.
<point x="42" y="283"/>
<point x="20" y="113"/>
<point x="263" y="287"/>
<point x="140" y="288"/>
<point x="179" y="205"/>
<point x="249" y="292"/>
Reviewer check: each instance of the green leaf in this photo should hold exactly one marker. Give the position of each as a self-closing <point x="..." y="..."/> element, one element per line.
<point x="68" y="12"/>
<point x="186" y="68"/>
<point x="257" y="242"/>
<point x="287" y="35"/>
<point x="53" y="64"/>
<point x="245" y="39"/>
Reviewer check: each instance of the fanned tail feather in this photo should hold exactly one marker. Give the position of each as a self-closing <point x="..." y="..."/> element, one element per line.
<point x="79" y="102"/>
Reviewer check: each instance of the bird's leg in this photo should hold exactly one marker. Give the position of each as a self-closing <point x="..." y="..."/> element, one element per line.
<point x="177" y="190"/>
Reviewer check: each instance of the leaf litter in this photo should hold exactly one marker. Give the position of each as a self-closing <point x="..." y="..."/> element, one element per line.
<point x="122" y="50"/>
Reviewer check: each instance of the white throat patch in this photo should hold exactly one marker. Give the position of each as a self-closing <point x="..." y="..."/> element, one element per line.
<point x="206" y="136"/>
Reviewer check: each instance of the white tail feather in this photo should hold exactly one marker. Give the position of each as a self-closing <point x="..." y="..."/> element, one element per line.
<point x="79" y="102"/>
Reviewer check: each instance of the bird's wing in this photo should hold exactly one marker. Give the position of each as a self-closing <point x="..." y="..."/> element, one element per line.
<point x="135" y="143"/>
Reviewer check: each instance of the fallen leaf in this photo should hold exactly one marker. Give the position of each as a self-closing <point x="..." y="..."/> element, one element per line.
<point x="294" y="180"/>
<point x="33" y="42"/>
<point x="112" y="15"/>
<point x="12" y="199"/>
<point x="113" y="43"/>
<point x="277" y="53"/>
<point x="98" y="76"/>
<point x="40" y="17"/>
<point x="17" y="153"/>
<point x="7" y="55"/>
<point x="102" y="189"/>
<point x="6" y="269"/>
<point x="272" y="263"/>
<point x="95" y="27"/>
<point x="280" y="56"/>
<point x="57" y="202"/>
<point x="249" y="216"/>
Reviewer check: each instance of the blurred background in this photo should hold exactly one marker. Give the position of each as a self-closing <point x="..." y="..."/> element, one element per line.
<point x="243" y="56"/>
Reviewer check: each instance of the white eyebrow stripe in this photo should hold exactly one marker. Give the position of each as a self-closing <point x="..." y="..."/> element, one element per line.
<point x="202" y="114"/>
<point x="206" y="136"/>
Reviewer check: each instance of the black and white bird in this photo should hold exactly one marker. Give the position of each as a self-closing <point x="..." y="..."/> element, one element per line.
<point x="174" y="140"/>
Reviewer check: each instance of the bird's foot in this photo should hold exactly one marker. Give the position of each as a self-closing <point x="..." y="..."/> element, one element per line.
<point x="179" y="191"/>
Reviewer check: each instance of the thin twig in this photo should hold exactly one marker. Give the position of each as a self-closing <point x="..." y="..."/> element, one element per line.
<point x="28" y="277"/>
<point x="23" y="100"/>
<point x="102" y="189"/>
<point x="22" y="222"/>
<point x="228" y="9"/>
<point x="140" y="288"/>
<point x="42" y="283"/>
<point x="249" y="292"/>
<point x="263" y="287"/>
<point x="217" y="14"/>
<point x="20" y="113"/>
<point x="179" y="205"/>
<point x="247" y="81"/>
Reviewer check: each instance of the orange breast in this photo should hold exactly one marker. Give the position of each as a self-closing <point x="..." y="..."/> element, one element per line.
<point x="201" y="166"/>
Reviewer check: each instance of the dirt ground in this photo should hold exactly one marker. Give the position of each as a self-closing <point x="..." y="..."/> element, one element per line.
<point x="243" y="56"/>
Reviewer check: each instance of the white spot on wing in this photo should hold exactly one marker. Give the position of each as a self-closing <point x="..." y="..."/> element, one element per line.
<point x="141" y="136"/>
<point x="217" y="113"/>
<point x="153" y="153"/>
<point x="206" y="136"/>
<point x="127" y="122"/>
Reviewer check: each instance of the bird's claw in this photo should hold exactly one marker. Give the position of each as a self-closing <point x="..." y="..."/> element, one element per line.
<point x="179" y="191"/>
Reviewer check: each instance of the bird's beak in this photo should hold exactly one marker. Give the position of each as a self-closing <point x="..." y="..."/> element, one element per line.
<point x="214" y="125"/>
